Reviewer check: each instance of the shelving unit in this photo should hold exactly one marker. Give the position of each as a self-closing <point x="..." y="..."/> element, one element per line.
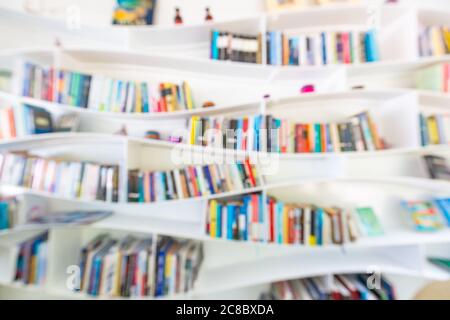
<point x="379" y="179"/>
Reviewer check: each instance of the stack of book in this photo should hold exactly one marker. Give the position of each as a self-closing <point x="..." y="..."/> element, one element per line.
<point x="192" y="181"/>
<point x="31" y="263"/>
<point x="251" y="218"/>
<point x="434" y="41"/>
<point x="235" y="47"/>
<point x="84" y="180"/>
<point x="434" y="78"/>
<point x="97" y="92"/>
<point x="134" y="267"/>
<point x="268" y="134"/>
<point x="337" y="287"/>
<point x="434" y="129"/>
<point x="24" y="120"/>
<point x="322" y="48"/>
<point x="8" y="212"/>
<point x="437" y="166"/>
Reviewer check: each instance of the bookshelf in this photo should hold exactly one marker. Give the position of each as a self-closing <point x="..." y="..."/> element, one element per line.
<point x="323" y="178"/>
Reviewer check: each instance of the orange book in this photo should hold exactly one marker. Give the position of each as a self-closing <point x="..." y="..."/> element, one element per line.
<point x="163" y="105"/>
<point x="147" y="187"/>
<point x="249" y="171"/>
<point x="323" y="136"/>
<point x="373" y="129"/>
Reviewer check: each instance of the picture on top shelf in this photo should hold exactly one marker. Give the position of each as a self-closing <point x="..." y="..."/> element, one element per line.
<point x="321" y="48"/>
<point x="434" y="41"/>
<point x="133" y="267"/>
<point x="256" y="218"/>
<point x="266" y="133"/>
<point x="335" y="287"/>
<point x="134" y="12"/>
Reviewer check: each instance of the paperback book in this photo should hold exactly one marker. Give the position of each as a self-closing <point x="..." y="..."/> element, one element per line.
<point x="8" y="212"/>
<point x="191" y="181"/>
<point x="31" y="263"/>
<point x="235" y="47"/>
<point x="434" y="78"/>
<point x="335" y="287"/>
<point x="255" y="218"/>
<point x="437" y="167"/>
<point x="434" y="41"/>
<point x="133" y="267"/>
<point x="266" y="133"/>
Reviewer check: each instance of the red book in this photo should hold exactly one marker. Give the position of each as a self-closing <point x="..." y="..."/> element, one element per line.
<point x="323" y="136"/>
<point x="248" y="169"/>
<point x="304" y="139"/>
<point x="193" y="181"/>
<point x="162" y="105"/>
<point x="346" y="51"/>
<point x="446" y="77"/>
<point x="12" y="125"/>
<point x="255" y="213"/>
<point x="244" y="136"/>
<point x="291" y="226"/>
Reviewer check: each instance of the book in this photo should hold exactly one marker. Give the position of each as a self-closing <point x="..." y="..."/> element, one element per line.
<point x="191" y="181"/>
<point x="441" y="262"/>
<point x="134" y="12"/>
<point x="135" y="267"/>
<point x="8" y="212"/>
<point x="444" y="207"/>
<point x="68" y="218"/>
<point x="434" y="40"/>
<point x="368" y="221"/>
<point x="70" y="179"/>
<point x="357" y="133"/>
<point x="235" y="47"/>
<point x="102" y="93"/>
<point x="437" y="167"/>
<point x="248" y="218"/>
<point x="434" y="78"/>
<point x="333" y="287"/>
<point x="423" y="215"/>
<point x="31" y="263"/>
<point x="321" y="49"/>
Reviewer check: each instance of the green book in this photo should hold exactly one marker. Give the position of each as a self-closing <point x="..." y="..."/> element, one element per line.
<point x="368" y="221"/>
<point x="431" y="78"/>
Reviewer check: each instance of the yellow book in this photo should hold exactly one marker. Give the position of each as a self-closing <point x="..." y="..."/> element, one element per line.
<point x="433" y="131"/>
<point x="312" y="240"/>
<point x="311" y="137"/>
<point x="174" y="96"/>
<point x="32" y="270"/>
<point x="116" y="287"/>
<point x="169" y="97"/>
<point x="437" y="41"/>
<point x="285" y="224"/>
<point x="213" y="218"/>
<point x="138" y="103"/>
<point x="168" y="266"/>
<point x="446" y="35"/>
<point x="188" y="96"/>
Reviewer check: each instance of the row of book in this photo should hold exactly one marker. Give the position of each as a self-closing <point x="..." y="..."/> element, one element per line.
<point x="133" y="267"/>
<point x="70" y="179"/>
<point x="98" y="92"/>
<point x="235" y="47"/>
<point x="192" y="181"/>
<point x="268" y="134"/>
<point x="324" y="48"/>
<point x="435" y="78"/>
<point x="335" y="287"/>
<point x="434" y="41"/>
<point x="437" y="166"/>
<point x="434" y="129"/>
<point x="429" y="215"/>
<point x="256" y="218"/>
<point x="8" y="212"/>
<point x="31" y="263"/>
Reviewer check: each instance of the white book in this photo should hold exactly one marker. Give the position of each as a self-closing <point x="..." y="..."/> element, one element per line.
<point x="335" y="137"/>
<point x="356" y="46"/>
<point x="306" y="225"/>
<point x="130" y="98"/>
<point x="302" y="50"/>
<point x="318" y="51"/>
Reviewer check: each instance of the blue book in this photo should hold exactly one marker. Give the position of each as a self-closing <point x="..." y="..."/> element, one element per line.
<point x="230" y="220"/>
<point x="323" y="37"/>
<point x="256" y="133"/>
<point x="214" y="48"/>
<point x="245" y="210"/>
<point x="273" y="46"/>
<point x="151" y="187"/>
<point x="279" y="213"/>
<point x="219" y="220"/>
<point x="371" y="46"/>
<point x="141" y="187"/>
<point x="441" y="129"/>
<point x="319" y="226"/>
<point x="240" y="127"/>
<point x="4" y="215"/>
<point x="208" y="179"/>
<point x="144" y="95"/>
<point x="423" y="130"/>
<point x="161" y="268"/>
